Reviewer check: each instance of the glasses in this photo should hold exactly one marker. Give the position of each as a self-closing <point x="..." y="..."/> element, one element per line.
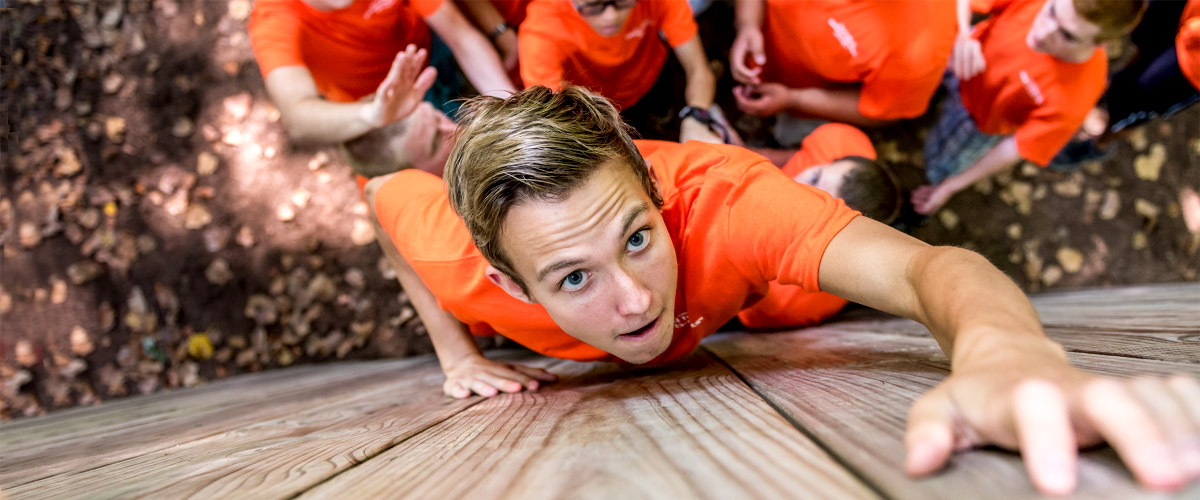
<point x="597" y="8"/>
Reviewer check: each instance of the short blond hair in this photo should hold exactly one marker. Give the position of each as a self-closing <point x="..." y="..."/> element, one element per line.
<point x="535" y="145"/>
<point x="1115" y="18"/>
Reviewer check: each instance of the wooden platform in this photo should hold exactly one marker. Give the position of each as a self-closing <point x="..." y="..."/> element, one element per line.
<point x="816" y="413"/>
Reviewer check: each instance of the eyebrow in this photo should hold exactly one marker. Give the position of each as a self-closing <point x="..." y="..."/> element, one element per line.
<point x="633" y="214"/>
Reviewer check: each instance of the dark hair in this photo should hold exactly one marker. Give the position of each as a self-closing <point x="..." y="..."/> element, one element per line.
<point x="871" y="189"/>
<point x="1115" y="18"/>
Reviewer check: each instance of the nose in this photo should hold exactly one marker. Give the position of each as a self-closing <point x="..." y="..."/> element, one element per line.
<point x="633" y="298"/>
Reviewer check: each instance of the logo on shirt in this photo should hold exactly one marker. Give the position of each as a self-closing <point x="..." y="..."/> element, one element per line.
<point x="1032" y="88"/>
<point x="640" y="31"/>
<point x="844" y="37"/>
<point x="682" y="320"/>
<point x="379" y="6"/>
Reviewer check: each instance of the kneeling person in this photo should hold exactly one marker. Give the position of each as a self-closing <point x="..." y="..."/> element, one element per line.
<point x="580" y="244"/>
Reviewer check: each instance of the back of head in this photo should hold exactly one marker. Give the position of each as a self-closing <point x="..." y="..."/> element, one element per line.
<point x="1115" y="18"/>
<point x="871" y="189"/>
<point x="378" y="152"/>
<point x="536" y="144"/>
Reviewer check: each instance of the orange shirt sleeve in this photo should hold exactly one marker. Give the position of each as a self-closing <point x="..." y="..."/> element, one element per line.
<point x="426" y="8"/>
<point x="678" y="24"/>
<point x="789" y="245"/>
<point x="395" y="199"/>
<point x="1187" y="43"/>
<point x="275" y="35"/>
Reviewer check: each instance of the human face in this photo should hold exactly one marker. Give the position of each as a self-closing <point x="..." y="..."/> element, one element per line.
<point x="1059" y="31"/>
<point x="610" y="19"/>
<point x="828" y="177"/>
<point x="428" y="138"/>
<point x="600" y="261"/>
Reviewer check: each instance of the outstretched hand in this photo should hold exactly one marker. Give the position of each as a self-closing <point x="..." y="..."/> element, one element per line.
<point x="402" y="90"/>
<point x="1047" y="410"/>
<point x="478" y="375"/>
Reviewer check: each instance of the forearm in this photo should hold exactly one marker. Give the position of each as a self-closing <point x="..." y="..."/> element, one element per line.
<point x="963" y="16"/>
<point x="835" y="105"/>
<point x="482" y="13"/>
<point x="701" y="86"/>
<point x="317" y="121"/>
<point x="1001" y="157"/>
<point x="479" y="61"/>
<point x="973" y="310"/>
<point x="749" y="14"/>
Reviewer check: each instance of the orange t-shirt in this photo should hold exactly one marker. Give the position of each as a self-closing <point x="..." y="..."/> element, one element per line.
<point x="1187" y="43"/>
<point x="896" y="49"/>
<point x="1034" y="96"/>
<point x="348" y="51"/>
<point x="791" y="305"/>
<point x="714" y="197"/>
<point x="827" y="143"/>
<point x="557" y="45"/>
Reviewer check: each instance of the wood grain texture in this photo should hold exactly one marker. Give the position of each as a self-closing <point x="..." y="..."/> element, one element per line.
<point x="851" y="391"/>
<point x="276" y="449"/>
<point x="690" y="430"/>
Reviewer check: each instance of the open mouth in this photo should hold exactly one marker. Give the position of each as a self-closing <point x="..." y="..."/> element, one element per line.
<point x="642" y="332"/>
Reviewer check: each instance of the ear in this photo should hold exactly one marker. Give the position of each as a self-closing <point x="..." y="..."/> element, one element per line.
<point x="507" y="284"/>
<point x="654" y="177"/>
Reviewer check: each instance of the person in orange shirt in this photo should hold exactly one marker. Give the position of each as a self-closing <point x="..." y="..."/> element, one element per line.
<point x="499" y="20"/>
<point x="580" y="243"/>
<point x="331" y="65"/>
<point x="613" y="47"/>
<point x="1041" y="69"/>
<point x="859" y="62"/>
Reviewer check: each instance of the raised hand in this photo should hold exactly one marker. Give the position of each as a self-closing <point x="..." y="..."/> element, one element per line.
<point x="747" y="45"/>
<point x="479" y="375"/>
<point x="402" y="89"/>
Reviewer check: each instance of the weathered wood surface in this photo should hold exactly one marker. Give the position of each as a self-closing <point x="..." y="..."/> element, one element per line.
<point x="815" y="413"/>
<point x="690" y="430"/>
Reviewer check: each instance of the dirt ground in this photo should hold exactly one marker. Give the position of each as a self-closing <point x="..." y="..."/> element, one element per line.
<point x="159" y="229"/>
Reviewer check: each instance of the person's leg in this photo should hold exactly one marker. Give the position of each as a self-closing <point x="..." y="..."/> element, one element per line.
<point x="954" y="142"/>
<point x="1148" y="91"/>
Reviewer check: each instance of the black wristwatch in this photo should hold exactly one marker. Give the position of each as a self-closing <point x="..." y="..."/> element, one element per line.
<point x="703" y="116"/>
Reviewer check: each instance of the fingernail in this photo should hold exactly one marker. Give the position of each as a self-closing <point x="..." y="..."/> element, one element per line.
<point x="533" y="386"/>
<point x="1055" y="475"/>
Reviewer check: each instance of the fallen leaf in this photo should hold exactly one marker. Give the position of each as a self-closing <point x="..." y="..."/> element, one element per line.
<point x="206" y="163"/>
<point x="68" y="163"/>
<point x="29" y="235"/>
<point x="1014" y="231"/>
<point x="5" y="302"/>
<point x="81" y="343"/>
<point x="948" y="218"/>
<point x="112" y="83"/>
<point x="114" y="128"/>
<point x="1051" y="275"/>
<point x="83" y="271"/>
<point x="1148" y="166"/>
<point x="58" y="291"/>
<point x="199" y="346"/>
<point x="285" y="213"/>
<point x="25" y="352"/>
<point x="318" y="160"/>
<point x="1146" y="209"/>
<point x="1069" y="188"/>
<point x="218" y="272"/>
<point x="363" y="233"/>
<point x="1110" y="205"/>
<point x="183" y="127"/>
<point x="1022" y="193"/>
<point x="1070" y="259"/>
<point x="1139" y="241"/>
<point x="245" y="237"/>
<point x="300" y="197"/>
<point x="197" y="217"/>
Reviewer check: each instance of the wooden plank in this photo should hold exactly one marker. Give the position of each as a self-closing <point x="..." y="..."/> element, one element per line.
<point x="93" y="436"/>
<point x="690" y="430"/>
<point x="1145" y="343"/>
<point x="851" y="391"/>
<point x="1162" y="307"/>
<point x="276" y="450"/>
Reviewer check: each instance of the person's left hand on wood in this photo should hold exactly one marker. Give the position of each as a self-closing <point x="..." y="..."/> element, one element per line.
<point x="1041" y="406"/>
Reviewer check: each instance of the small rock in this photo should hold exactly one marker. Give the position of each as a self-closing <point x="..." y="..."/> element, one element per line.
<point x="27" y="355"/>
<point x="237" y="106"/>
<point x="269" y="152"/>
<point x="360" y="209"/>
<point x="1110" y="205"/>
<point x="300" y="197"/>
<point x="58" y="291"/>
<point x="114" y="128"/>
<point x="112" y="83"/>
<point x="321" y="288"/>
<point x="1139" y="241"/>
<point x="233" y="138"/>
<point x="1069" y="188"/>
<point x="1014" y="231"/>
<point x="364" y="234"/>
<point x="6" y="302"/>
<point x="108" y="317"/>
<point x="1051" y="275"/>
<point x="218" y="272"/>
<point x="206" y="163"/>
<point x="73" y="368"/>
<point x="215" y="238"/>
<point x="246" y="358"/>
<point x="197" y="217"/>
<point x="984" y="186"/>
<point x="355" y="278"/>
<point x="1070" y="259"/>
<point x="68" y="163"/>
<point x="1137" y="139"/>
<point x="1146" y="209"/>
<point x="81" y="343"/>
<point x="261" y="309"/>
<point x="29" y="235"/>
<point x="1022" y="193"/>
<point x="245" y="237"/>
<point x="183" y="127"/>
<point x="146" y="244"/>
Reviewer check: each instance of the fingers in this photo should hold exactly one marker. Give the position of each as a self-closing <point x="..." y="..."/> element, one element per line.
<point x="1168" y="401"/>
<point x="1046" y="439"/>
<point x="536" y="373"/>
<point x="1133" y="432"/>
<point x="747" y="46"/>
<point x="455" y="390"/>
<point x="930" y="436"/>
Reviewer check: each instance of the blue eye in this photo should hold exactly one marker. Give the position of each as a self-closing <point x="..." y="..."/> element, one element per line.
<point x="574" y="281"/>
<point x="638" y="241"/>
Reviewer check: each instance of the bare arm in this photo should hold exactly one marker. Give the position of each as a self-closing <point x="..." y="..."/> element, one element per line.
<point x="475" y="55"/>
<point x="966" y="60"/>
<point x="485" y="17"/>
<point x="1009" y="384"/>
<point x="699" y="92"/>
<point x="310" y="119"/>
<point x="836" y="105"/>
<point x="928" y="199"/>
<point x="467" y="370"/>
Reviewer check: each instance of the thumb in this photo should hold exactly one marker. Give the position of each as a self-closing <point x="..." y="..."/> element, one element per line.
<point x="756" y="49"/>
<point x="930" y="436"/>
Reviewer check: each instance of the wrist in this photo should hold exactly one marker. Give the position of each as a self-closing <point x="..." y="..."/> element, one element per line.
<point x="1003" y="347"/>
<point x="500" y="29"/>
